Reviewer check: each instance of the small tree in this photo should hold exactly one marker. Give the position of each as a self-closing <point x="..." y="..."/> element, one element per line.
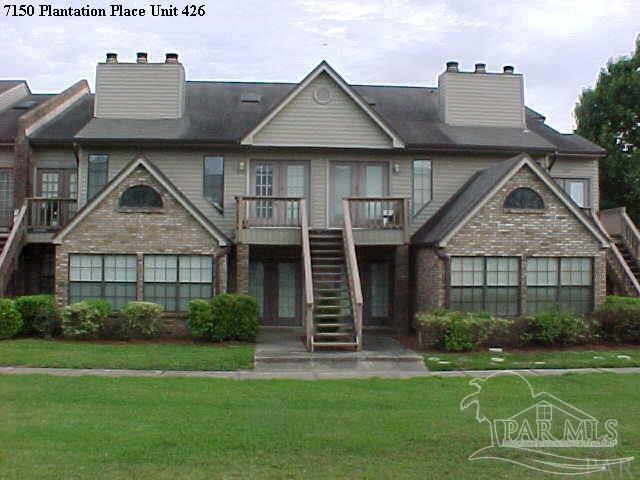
<point x="609" y="115"/>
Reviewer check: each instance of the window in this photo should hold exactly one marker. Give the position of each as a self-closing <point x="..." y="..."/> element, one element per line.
<point x="214" y="181"/>
<point x="174" y="280"/>
<point x="286" y="290"/>
<point x="107" y="277"/>
<point x="140" y="196"/>
<point x="97" y="174"/>
<point x="524" y="199"/>
<point x="544" y="412"/>
<point x="380" y="289"/>
<point x="490" y="284"/>
<point x="577" y="189"/>
<point x="422" y="181"/>
<point x="563" y="283"/>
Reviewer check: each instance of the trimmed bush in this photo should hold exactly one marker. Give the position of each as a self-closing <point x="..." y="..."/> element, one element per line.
<point x="40" y="315"/>
<point x="555" y="327"/>
<point x="618" y="320"/>
<point x="140" y="319"/>
<point x="227" y="316"/>
<point x="200" y="320"/>
<point x="10" y="319"/>
<point x="457" y="331"/>
<point x="85" y="319"/>
<point x="235" y="317"/>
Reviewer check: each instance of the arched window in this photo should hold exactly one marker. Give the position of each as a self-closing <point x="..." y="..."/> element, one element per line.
<point x="140" y="196"/>
<point x="524" y="199"/>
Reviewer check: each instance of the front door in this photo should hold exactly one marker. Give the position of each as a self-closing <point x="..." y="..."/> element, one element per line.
<point x="351" y="179"/>
<point x="377" y="291"/>
<point x="6" y="197"/>
<point x="278" y="179"/>
<point x="276" y="287"/>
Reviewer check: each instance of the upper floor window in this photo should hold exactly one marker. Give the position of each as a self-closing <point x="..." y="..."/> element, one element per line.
<point x="97" y="174"/>
<point x="422" y="182"/>
<point x="140" y="196"/>
<point x="524" y="199"/>
<point x="577" y="189"/>
<point x="213" y="184"/>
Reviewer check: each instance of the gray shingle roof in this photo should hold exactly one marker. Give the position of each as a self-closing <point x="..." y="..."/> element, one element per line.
<point x="463" y="202"/>
<point x="215" y="114"/>
<point x="9" y="84"/>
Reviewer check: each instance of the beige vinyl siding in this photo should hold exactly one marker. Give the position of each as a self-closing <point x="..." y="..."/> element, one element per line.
<point x="54" y="158"/>
<point x="580" y="168"/>
<point x="7" y="160"/>
<point x="339" y="123"/>
<point x="184" y="169"/>
<point x="482" y="100"/>
<point x="143" y="91"/>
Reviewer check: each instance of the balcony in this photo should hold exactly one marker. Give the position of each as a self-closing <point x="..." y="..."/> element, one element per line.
<point x="379" y="220"/>
<point x="46" y="216"/>
<point x="269" y="220"/>
<point x="277" y="220"/>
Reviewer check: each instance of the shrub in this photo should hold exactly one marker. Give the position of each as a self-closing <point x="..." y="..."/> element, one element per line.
<point x="235" y="317"/>
<point x="457" y="331"/>
<point x="555" y="327"/>
<point x="618" y="320"/>
<point x="140" y="319"/>
<point x="39" y="315"/>
<point x="85" y="319"/>
<point x="200" y="320"/>
<point x="10" y="318"/>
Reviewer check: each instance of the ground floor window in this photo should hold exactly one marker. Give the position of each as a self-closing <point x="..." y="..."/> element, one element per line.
<point x="489" y="284"/>
<point x="107" y="277"/>
<point x="380" y="289"/>
<point x="564" y="283"/>
<point x="174" y="280"/>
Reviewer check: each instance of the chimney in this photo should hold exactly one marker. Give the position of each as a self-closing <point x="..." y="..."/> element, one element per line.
<point x="171" y="58"/>
<point x="481" y="68"/>
<point x="112" y="57"/>
<point x="452" y="66"/>
<point x="508" y="69"/>
<point x="141" y="57"/>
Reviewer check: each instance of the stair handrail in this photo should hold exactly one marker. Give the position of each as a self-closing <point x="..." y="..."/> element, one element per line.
<point x="12" y="247"/>
<point x="353" y="274"/>
<point x="625" y="228"/>
<point x="308" y="278"/>
<point x="620" y="261"/>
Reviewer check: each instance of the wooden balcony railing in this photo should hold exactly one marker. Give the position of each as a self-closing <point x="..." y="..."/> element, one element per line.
<point x="268" y="212"/>
<point x="617" y="223"/>
<point x="380" y="213"/>
<point x="46" y="214"/>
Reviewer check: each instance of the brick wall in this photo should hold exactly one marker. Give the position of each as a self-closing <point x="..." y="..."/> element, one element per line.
<point x="107" y="229"/>
<point x="495" y="231"/>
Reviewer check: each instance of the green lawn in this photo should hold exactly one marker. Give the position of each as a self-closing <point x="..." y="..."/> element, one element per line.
<point x="537" y="359"/>
<point x="149" y="356"/>
<point x="191" y="428"/>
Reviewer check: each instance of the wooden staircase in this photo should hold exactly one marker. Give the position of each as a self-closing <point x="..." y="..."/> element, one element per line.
<point x="10" y="247"/>
<point x="630" y="259"/>
<point x="333" y="320"/>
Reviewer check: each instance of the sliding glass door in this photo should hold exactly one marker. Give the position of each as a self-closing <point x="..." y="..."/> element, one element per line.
<point x="279" y="179"/>
<point x="6" y="197"/>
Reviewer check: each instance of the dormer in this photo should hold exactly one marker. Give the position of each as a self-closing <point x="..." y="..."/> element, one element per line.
<point x="481" y="98"/>
<point x="140" y="90"/>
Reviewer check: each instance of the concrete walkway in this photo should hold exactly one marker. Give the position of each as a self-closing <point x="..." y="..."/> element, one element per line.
<point x="293" y="375"/>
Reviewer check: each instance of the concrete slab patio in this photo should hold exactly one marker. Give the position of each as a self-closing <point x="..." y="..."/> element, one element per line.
<point x="282" y="350"/>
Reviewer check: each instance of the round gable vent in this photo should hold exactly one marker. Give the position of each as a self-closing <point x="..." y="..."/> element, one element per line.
<point x="322" y="95"/>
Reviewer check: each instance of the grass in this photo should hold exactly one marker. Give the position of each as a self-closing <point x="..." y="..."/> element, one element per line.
<point x="191" y="428"/>
<point x="148" y="356"/>
<point x="537" y="359"/>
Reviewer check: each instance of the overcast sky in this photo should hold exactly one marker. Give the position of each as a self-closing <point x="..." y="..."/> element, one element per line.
<point x="559" y="45"/>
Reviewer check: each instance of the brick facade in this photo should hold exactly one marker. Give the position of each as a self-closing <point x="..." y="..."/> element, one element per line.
<point x="109" y="229"/>
<point x="496" y="231"/>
